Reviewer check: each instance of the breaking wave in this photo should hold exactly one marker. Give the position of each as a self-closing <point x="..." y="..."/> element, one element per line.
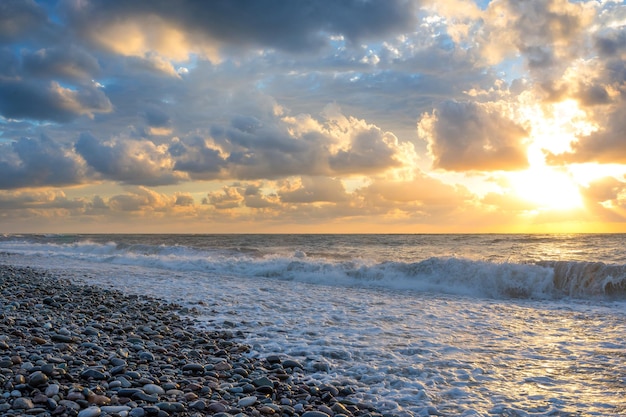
<point x="501" y="280"/>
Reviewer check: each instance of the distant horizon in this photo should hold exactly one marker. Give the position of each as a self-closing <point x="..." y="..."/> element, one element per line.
<point x="313" y="234"/>
<point x="382" y="116"/>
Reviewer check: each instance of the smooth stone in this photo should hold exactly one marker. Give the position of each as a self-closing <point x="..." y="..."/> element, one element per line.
<point x="199" y="405"/>
<point x="115" y="384"/>
<point x="110" y="409"/>
<point x="118" y="362"/>
<point x="133" y="374"/>
<point x="22" y="404"/>
<point x="153" y="389"/>
<point x="140" y="395"/>
<point x="69" y="404"/>
<point x="37" y="379"/>
<point x="223" y="366"/>
<point x="193" y="367"/>
<point x="99" y="400"/>
<point x="263" y="382"/>
<point x="146" y="356"/>
<point x="339" y="408"/>
<point x="216" y="407"/>
<point x="91" y="331"/>
<point x="248" y="388"/>
<point x="137" y="412"/>
<point x="90" y="412"/>
<point x="290" y="363"/>
<point x="128" y="392"/>
<point x="116" y="370"/>
<point x="125" y="382"/>
<point x="247" y="401"/>
<point x="39" y="398"/>
<point x="265" y="389"/>
<point x="92" y="373"/>
<point x="174" y="392"/>
<point x="314" y="414"/>
<point x="62" y="338"/>
<point x="171" y="407"/>
<point x="330" y="388"/>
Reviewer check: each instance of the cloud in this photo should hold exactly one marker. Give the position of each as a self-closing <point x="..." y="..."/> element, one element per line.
<point x="600" y="90"/>
<point x="140" y="199"/>
<point x="19" y="18"/>
<point x="544" y="32"/>
<point x="22" y="99"/>
<point x="606" y="199"/>
<point x="73" y="63"/>
<point x="128" y="161"/>
<point x="281" y="146"/>
<point x="314" y="190"/>
<point x="466" y="136"/>
<point x="198" y="158"/>
<point x="227" y="198"/>
<point x="175" y="29"/>
<point x="38" y="162"/>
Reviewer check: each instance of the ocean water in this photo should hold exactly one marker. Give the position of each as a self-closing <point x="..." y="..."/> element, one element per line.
<point x="453" y="325"/>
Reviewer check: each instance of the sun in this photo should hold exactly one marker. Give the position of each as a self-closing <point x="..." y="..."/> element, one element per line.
<point x="554" y="128"/>
<point x="547" y="188"/>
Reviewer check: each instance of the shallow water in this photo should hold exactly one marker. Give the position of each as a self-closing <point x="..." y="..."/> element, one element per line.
<point x="414" y="331"/>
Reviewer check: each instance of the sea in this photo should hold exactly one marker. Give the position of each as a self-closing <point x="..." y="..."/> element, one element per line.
<point x="448" y="325"/>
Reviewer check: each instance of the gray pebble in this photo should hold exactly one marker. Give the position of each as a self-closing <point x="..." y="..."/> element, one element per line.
<point x="22" y="404"/>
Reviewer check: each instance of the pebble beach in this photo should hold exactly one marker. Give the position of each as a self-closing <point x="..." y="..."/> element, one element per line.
<point x="71" y="349"/>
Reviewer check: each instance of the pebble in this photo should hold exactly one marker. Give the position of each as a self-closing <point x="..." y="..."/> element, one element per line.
<point x="22" y="403"/>
<point x="90" y="412"/>
<point x="85" y="351"/>
<point x="153" y="389"/>
<point x="247" y="401"/>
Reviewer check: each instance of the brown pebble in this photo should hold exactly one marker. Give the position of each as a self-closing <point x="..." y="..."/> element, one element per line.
<point x="99" y="399"/>
<point x="223" y="366"/>
<point x="190" y="396"/>
<point x="39" y="340"/>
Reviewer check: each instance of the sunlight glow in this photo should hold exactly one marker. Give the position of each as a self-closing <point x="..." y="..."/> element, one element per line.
<point x="554" y="128"/>
<point x="548" y="188"/>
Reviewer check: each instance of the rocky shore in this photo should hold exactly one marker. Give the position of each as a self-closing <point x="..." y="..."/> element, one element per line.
<point x="78" y="350"/>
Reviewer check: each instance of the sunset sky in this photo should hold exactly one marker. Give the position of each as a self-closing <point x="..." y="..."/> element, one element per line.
<point x="312" y="116"/>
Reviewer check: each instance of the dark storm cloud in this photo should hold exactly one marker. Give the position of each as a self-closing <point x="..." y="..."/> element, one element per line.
<point x="156" y="117"/>
<point x="130" y="162"/>
<point x="611" y="42"/>
<point x="38" y="162"/>
<point x="25" y="99"/>
<point x="71" y="63"/>
<point x="19" y="18"/>
<point x="284" y="24"/>
<point x="472" y="136"/>
<point x="197" y="158"/>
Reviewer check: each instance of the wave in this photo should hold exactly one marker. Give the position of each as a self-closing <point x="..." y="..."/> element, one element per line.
<point x="451" y="275"/>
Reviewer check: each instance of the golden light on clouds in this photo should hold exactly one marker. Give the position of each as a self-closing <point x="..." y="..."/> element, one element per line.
<point x="386" y="115"/>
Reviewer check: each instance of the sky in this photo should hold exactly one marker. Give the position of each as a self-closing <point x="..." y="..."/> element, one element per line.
<point x="317" y="116"/>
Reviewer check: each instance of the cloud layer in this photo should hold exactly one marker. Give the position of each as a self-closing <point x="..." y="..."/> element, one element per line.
<point x="403" y="115"/>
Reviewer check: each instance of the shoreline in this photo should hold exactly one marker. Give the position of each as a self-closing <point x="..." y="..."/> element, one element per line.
<point x="73" y="349"/>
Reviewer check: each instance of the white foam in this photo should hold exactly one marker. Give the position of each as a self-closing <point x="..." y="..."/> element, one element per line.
<point x="436" y="335"/>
